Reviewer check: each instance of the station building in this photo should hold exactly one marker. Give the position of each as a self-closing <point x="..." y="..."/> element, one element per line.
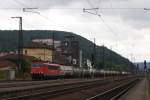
<point x="38" y="50"/>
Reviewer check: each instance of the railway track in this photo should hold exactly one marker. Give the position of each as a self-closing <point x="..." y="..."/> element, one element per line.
<point x="16" y="92"/>
<point x="53" y="90"/>
<point x="116" y="92"/>
<point x="10" y="84"/>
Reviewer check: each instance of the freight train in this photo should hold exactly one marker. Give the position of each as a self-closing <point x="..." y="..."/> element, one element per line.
<point x="46" y="70"/>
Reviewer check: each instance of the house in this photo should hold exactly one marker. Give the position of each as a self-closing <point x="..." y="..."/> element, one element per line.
<point x="38" y="50"/>
<point x="70" y="48"/>
<point x="56" y="43"/>
<point x="6" y="65"/>
<point x="7" y="70"/>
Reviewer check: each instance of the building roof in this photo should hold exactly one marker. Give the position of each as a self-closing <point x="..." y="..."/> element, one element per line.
<point x="15" y="57"/>
<point x="37" y="45"/>
<point x="6" y="64"/>
<point x="48" y="41"/>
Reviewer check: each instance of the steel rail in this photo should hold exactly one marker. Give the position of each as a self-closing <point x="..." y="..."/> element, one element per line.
<point x="10" y="84"/>
<point x="60" y="90"/>
<point x="116" y="92"/>
<point x="21" y="90"/>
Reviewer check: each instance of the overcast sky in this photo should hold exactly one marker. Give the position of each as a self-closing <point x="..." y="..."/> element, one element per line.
<point x="124" y="25"/>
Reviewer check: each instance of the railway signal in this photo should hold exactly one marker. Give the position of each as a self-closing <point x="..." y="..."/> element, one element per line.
<point x="145" y="66"/>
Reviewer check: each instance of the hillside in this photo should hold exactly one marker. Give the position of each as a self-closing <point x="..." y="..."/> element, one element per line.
<point x="8" y="42"/>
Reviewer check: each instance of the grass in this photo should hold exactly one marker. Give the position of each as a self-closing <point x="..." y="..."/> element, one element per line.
<point x="149" y="83"/>
<point x="2" y="75"/>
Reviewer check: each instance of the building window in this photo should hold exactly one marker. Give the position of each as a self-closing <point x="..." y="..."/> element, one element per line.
<point x="25" y="52"/>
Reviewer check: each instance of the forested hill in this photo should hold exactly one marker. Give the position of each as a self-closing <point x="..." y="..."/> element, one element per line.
<point x="8" y="42"/>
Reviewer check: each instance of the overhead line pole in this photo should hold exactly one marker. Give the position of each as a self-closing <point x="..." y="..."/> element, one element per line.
<point x="53" y="46"/>
<point x="103" y="59"/>
<point x="20" y="43"/>
<point x="94" y="54"/>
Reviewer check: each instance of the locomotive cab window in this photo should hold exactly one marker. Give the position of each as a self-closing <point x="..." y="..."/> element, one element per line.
<point x="37" y="65"/>
<point x="53" y="67"/>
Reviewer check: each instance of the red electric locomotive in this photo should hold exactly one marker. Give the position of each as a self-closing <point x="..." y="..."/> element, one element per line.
<point x="42" y="70"/>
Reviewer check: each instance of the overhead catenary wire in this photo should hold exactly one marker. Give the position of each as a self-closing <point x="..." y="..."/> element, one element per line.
<point x="19" y="2"/>
<point x="38" y="13"/>
<point x="102" y="19"/>
<point x="32" y="10"/>
<point x="88" y="2"/>
<point x="80" y="8"/>
<point x="109" y="28"/>
<point x="99" y="4"/>
<point x="96" y="9"/>
<point x="93" y="13"/>
<point x="99" y="15"/>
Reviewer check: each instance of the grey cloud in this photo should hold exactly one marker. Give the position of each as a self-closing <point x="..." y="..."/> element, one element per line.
<point x="133" y="14"/>
<point x="136" y="17"/>
<point x="35" y="3"/>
